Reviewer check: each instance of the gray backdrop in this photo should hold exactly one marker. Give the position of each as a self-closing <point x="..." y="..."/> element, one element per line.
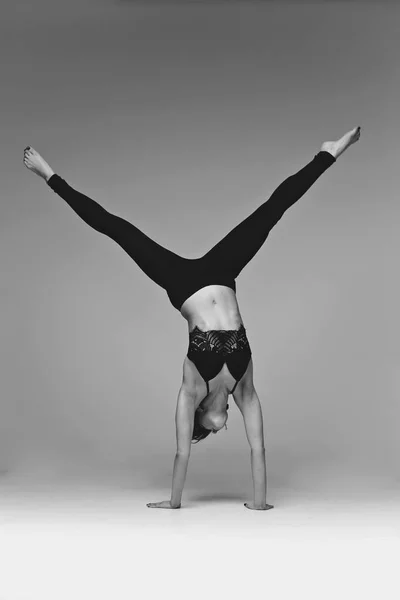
<point x="183" y="117"/>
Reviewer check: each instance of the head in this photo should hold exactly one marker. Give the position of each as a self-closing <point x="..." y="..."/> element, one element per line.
<point x="208" y="421"/>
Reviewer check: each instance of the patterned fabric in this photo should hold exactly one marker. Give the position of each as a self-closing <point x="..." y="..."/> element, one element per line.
<point x="211" y="350"/>
<point x="221" y="341"/>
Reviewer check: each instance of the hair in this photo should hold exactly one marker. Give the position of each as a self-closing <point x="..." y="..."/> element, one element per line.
<point x="199" y="432"/>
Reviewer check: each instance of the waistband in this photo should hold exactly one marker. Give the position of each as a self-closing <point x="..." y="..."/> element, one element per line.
<point x="221" y="341"/>
<point x="197" y="330"/>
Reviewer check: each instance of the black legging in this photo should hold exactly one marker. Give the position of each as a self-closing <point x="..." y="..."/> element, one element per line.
<point x="180" y="276"/>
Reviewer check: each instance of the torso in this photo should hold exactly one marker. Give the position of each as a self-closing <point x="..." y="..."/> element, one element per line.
<point x="212" y="307"/>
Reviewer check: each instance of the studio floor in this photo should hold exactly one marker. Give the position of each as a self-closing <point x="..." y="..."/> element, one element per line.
<point x="80" y="538"/>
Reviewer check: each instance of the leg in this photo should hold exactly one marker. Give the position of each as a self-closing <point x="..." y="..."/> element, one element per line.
<point x="156" y="261"/>
<point x="237" y="248"/>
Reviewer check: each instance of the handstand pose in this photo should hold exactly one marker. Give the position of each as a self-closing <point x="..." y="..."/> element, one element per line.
<point x="218" y="361"/>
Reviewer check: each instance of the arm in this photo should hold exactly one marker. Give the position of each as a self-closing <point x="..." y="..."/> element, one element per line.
<point x="253" y="421"/>
<point x="184" y="418"/>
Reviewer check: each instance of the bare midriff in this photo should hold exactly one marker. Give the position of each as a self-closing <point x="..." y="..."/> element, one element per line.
<point x="213" y="307"/>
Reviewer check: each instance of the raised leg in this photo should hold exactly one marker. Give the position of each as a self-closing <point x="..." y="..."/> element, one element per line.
<point x="156" y="261"/>
<point x="239" y="246"/>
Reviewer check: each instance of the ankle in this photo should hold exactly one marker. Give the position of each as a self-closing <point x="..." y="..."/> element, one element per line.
<point x="49" y="173"/>
<point x="330" y="147"/>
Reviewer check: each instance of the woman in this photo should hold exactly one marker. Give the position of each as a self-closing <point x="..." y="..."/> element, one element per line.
<point x="218" y="361"/>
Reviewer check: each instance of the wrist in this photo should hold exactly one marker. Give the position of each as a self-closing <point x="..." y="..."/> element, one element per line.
<point x="175" y="500"/>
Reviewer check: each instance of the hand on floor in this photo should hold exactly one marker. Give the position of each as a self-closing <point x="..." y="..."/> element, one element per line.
<point x="251" y="506"/>
<point x="163" y="504"/>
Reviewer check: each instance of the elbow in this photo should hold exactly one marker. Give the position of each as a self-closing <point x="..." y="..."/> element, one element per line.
<point x="258" y="450"/>
<point x="183" y="453"/>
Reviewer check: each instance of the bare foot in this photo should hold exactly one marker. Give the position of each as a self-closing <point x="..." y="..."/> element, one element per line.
<point x="34" y="162"/>
<point x="337" y="148"/>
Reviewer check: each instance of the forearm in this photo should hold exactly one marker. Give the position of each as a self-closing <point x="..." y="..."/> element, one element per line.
<point x="178" y="478"/>
<point x="259" y="473"/>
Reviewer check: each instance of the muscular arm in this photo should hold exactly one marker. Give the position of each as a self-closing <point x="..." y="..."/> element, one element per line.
<point x="253" y="422"/>
<point x="184" y="428"/>
<point x="184" y="418"/>
<point x="250" y="408"/>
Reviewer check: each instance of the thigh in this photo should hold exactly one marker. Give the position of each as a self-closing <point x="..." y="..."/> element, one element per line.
<point x="162" y="265"/>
